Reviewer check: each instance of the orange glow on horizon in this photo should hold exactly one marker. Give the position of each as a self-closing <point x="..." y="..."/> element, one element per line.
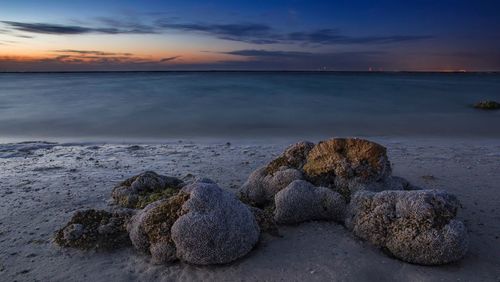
<point x="27" y="56"/>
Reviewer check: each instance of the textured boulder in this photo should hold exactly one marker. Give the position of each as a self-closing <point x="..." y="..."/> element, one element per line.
<point x="301" y="201"/>
<point x="260" y="187"/>
<point x="95" y="229"/>
<point x="415" y="226"/>
<point x="293" y="157"/>
<point x="145" y="188"/>
<point x="345" y="165"/>
<point x="215" y="228"/>
<point x="150" y="228"/>
<point x="337" y="163"/>
<point x="202" y="224"/>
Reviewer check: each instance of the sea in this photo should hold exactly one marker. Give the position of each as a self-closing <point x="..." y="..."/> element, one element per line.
<point x="158" y="105"/>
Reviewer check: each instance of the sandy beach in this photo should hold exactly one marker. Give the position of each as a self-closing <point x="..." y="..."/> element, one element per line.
<point x="42" y="184"/>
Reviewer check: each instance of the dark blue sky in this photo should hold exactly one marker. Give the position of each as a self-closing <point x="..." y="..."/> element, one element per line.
<point x="302" y="35"/>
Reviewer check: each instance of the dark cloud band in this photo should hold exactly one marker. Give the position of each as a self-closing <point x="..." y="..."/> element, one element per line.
<point x="44" y="28"/>
<point x="255" y="33"/>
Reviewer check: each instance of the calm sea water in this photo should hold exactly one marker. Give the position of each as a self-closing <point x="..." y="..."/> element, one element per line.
<point x="201" y="104"/>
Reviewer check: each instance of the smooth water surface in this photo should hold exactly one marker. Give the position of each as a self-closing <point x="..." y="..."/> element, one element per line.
<point x="245" y="104"/>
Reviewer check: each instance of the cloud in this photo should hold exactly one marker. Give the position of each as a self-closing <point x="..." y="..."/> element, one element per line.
<point x="246" y="32"/>
<point x="278" y="54"/>
<point x="256" y="33"/>
<point x="89" y="58"/>
<point x="45" y="28"/>
<point x="264" y="34"/>
<point x="331" y="36"/>
<point x="91" y="52"/>
<point x="83" y="60"/>
<point x="169" y="59"/>
<point x="265" y="53"/>
<point x="293" y="60"/>
<point x="23" y="36"/>
<point x="131" y="26"/>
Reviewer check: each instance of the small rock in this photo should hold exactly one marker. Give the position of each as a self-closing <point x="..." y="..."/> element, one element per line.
<point x="301" y="201"/>
<point x="487" y="105"/>
<point x="95" y="229"/>
<point x="261" y="187"/>
<point x="145" y="188"/>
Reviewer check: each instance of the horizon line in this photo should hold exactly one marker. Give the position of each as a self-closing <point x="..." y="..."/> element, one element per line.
<point x="263" y="71"/>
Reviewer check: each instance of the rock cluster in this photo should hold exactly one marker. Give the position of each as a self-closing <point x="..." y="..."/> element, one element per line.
<point x="343" y="165"/>
<point x="95" y="229"/>
<point x="145" y="188"/>
<point x="415" y="226"/>
<point x="202" y="225"/>
<point x="350" y="181"/>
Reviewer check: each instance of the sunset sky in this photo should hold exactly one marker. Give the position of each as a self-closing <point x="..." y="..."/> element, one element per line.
<point x="447" y="35"/>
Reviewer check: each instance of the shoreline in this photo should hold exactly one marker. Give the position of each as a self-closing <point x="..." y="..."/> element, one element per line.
<point x="42" y="187"/>
<point x="240" y="139"/>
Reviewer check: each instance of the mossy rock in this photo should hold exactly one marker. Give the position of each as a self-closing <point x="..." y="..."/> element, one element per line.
<point x="140" y="190"/>
<point x="487" y="105"/>
<point x="147" y="199"/>
<point x="159" y="220"/>
<point x="350" y="159"/>
<point x="293" y="157"/>
<point x="202" y="224"/>
<point x="341" y="164"/>
<point x="94" y="229"/>
<point x="150" y="232"/>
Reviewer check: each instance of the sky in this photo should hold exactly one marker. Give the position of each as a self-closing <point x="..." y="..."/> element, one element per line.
<point x="337" y="35"/>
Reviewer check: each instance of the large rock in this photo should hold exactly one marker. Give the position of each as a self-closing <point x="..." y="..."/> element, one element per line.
<point x="140" y="190"/>
<point x="301" y="201"/>
<point x="415" y="226"/>
<point x="337" y="163"/>
<point x="344" y="165"/>
<point x="95" y="229"/>
<point x="215" y="228"/>
<point x="260" y="187"/>
<point x="202" y="225"/>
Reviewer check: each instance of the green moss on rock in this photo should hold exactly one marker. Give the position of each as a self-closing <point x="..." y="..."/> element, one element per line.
<point x="338" y="163"/>
<point x="159" y="220"/>
<point x="138" y="191"/>
<point x="94" y="229"/>
<point x="293" y="157"/>
<point x="147" y="199"/>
